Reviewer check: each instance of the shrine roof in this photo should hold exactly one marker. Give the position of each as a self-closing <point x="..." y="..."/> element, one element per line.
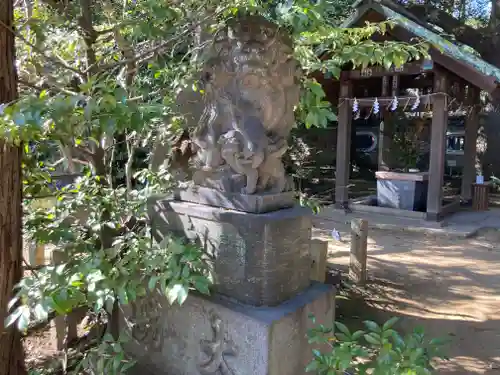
<point x="470" y="66"/>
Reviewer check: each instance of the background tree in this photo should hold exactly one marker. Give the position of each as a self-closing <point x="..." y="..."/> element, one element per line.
<point x="11" y="352"/>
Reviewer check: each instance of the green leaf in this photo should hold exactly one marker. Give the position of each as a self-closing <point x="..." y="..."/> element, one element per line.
<point x="153" y="281"/>
<point x="202" y="286"/>
<point x="343" y="328"/>
<point x="372" y="340"/>
<point x="316" y="353"/>
<point x="19" y="119"/>
<point x="398" y="340"/>
<point x="313" y="366"/>
<point x="12" y="303"/>
<point x="317" y="89"/>
<point x="342" y="337"/>
<point x="24" y="319"/>
<point x="122" y="295"/>
<point x="40" y="312"/>
<point x="13" y="317"/>
<point x="331" y="116"/>
<point x="182" y="295"/>
<point x="390" y="323"/>
<point x="387" y="63"/>
<point x="311" y="119"/>
<point x="185" y="272"/>
<point x="388" y="333"/>
<point x="177" y="292"/>
<point x="57" y="306"/>
<point x="357" y="335"/>
<point x="117" y="361"/>
<point x="372" y="326"/>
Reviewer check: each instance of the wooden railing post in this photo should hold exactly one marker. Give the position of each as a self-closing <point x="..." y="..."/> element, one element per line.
<point x="359" y="244"/>
<point x="319" y="251"/>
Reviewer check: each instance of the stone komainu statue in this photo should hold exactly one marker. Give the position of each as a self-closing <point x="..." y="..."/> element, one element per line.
<point x="250" y="90"/>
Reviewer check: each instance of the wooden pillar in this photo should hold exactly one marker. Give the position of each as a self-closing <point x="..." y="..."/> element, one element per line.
<point x="385" y="131"/>
<point x="39" y="255"/>
<point x="470" y="147"/>
<point x="343" y="145"/>
<point x="438" y="146"/>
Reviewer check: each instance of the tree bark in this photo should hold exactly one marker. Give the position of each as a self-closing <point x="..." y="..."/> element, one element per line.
<point x="11" y="352"/>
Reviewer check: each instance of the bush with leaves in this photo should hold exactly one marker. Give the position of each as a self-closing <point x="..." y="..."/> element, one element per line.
<point x="378" y="350"/>
<point x="111" y="258"/>
<point x="102" y="230"/>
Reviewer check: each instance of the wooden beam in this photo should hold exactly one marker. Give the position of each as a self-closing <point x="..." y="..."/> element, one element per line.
<point x="438" y="147"/>
<point x="411" y="68"/>
<point x="385" y="101"/>
<point x="386" y="132"/>
<point x="395" y="86"/>
<point x="385" y="86"/>
<point x="342" y="169"/>
<point x="461" y="69"/>
<point x="470" y="147"/>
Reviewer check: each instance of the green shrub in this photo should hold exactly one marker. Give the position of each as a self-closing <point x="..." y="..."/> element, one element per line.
<point x="378" y="350"/>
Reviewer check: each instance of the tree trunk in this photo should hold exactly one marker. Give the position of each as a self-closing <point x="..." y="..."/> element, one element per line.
<point x="11" y="352"/>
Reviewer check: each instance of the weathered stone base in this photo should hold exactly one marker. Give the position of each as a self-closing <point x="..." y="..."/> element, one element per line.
<point x="254" y="203"/>
<point x="258" y="259"/>
<point x="218" y="336"/>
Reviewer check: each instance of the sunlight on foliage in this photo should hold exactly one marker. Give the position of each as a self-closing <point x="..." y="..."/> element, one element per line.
<point x="377" y="350"/>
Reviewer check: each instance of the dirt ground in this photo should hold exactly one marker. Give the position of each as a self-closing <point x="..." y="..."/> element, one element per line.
<point x="448" y="286"/>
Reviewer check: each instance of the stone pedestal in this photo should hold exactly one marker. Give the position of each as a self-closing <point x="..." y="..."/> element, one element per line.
<point x="404" y="191"/>
<point x="251" y="203"/>
<point x="219" y="336"/>
<point x="240" y="208"/>
<point x="259" y="259"/>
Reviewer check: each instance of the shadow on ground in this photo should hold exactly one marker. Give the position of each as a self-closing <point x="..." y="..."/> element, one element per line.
<point x="448" y="286"/>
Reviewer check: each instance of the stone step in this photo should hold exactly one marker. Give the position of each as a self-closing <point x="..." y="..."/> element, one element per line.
<point x="330" y="217"/>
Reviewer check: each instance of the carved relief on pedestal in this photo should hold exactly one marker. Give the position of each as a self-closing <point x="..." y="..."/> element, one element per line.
<point x="145" y="323"/>
<point x="251" y="88"/>
<point x="216" y="350"/>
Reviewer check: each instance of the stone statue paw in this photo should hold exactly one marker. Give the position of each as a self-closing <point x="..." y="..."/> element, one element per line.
<point x="258" y="159"/>
<point x="247" y="190"/>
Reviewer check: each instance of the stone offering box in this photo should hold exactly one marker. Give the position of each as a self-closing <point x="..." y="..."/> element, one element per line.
<point x="404" y="191"/>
